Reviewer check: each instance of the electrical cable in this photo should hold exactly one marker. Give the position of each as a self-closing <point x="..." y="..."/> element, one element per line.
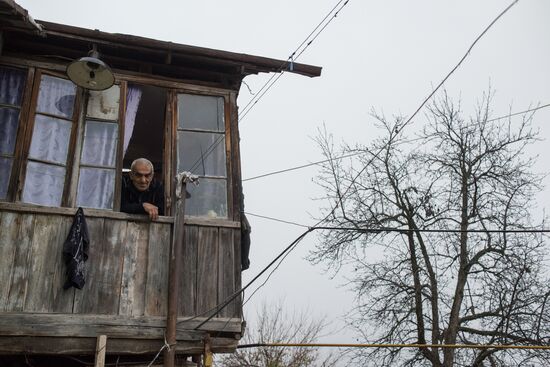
<point x="396" y="345"/>
<point x="519" y="113"/>
<point x="461" y="60"/>
<point x="401" y="230"/>
<point x="293" y="56"/>
<point x="300" y="167"/>
<point x="238" y="292"/>
<point x="277" y="74"/>
<point x="361" y="152"/>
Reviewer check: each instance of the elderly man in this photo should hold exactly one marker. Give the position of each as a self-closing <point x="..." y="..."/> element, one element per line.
<point x="140" y="193"/>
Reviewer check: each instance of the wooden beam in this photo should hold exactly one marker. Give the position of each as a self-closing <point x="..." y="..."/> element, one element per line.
<point x="17" y="345"/>
<point x="144" y="327"/>
<point x="100" y="348"/>
<point x="109" y="214"/>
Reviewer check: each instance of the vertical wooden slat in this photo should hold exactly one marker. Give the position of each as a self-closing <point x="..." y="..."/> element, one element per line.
<point x="156" y="290"/>
<point x="188" y="291"/>
<point x="85" y="300"/>
<point x="61" y="299"/>
<point x="44" y="251"/>
<point x="229" y="155"/>
<point x="236" y="183"/>
<point x="9" y="225"/>
<point x="226" y="275"/>
<point x="102" y="290"/>
<point x="134" y="273"/>
<point x="207" y="269"/>
<point x="19" y="273"/>
<point x="169" y="143"/>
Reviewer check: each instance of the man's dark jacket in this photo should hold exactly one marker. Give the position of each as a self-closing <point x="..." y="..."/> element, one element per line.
<point x="132" y="200"/>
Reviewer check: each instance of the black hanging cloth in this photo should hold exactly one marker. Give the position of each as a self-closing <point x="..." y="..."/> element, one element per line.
<point x="75" y="251"/>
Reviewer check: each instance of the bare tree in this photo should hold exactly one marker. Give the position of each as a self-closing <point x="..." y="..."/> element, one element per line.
<point x="274" y="325"/>
<point x="448" y="278"/>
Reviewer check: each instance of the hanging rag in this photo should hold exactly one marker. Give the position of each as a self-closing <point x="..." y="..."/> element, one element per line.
<point x="75" y="251"/>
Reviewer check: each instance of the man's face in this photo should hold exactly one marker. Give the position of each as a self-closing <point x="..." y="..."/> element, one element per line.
<point x="141" y="176"/>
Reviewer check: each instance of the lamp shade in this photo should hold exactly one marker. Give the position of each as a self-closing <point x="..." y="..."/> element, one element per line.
<point x="91" y="73"/>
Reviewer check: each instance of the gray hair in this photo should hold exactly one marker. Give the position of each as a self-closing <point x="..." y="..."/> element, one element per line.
<point x="142" y="161"/>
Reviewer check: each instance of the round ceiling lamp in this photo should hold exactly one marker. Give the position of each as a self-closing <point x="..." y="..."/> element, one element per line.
<point x="90" y="72"/>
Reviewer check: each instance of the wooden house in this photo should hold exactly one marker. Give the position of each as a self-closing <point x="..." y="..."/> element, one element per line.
<point x="64" y="147"/>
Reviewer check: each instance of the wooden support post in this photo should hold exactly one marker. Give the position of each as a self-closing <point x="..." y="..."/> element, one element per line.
<point x="208" y="358"/>
<point x="174" y="276"/>
<point x="100" y="349"/>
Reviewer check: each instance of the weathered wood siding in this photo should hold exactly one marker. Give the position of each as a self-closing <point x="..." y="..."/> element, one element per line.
<point x="127" y="267"/>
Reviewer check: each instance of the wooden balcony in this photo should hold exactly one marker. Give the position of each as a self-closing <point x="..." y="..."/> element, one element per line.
<point x="126" y="290"/>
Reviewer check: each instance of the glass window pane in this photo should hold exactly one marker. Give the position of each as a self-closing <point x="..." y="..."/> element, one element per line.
<point x="100" y="142"/>
<point x="9" y="120"/>
<point x="104" y="104"/>
<point x="12" y="84"/>
<point x="5" y="172"/>
<point x="56" y="96"/>
<point x="201" y="153"/>
<point x="208" y="199"/>
<point x="50" y="139"/>
<point x="96" y="188"/>
<point x="43" y="184"/>
<point x="200" y="112"/>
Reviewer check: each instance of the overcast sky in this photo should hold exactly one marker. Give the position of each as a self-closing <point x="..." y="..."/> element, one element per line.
<point x="385" y="55"/>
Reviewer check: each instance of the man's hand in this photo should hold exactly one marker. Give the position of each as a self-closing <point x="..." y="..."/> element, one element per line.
<point x="152" y="210"/>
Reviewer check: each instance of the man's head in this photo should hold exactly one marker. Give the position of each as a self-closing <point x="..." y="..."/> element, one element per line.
<point x="141" y="173"/>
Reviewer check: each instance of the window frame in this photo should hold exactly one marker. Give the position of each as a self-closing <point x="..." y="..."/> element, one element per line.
<point x="21" y="131"/>
<point x="227" y="136"/>
<point x="29" y="123"/>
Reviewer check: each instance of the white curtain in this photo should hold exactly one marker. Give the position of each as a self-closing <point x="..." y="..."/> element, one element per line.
<point x="100" y="142"/>
<point x="96" y="188"/>
<point x="50" y="139"/>
<point x="132" y="104"/>
<point x="44" y="184"/>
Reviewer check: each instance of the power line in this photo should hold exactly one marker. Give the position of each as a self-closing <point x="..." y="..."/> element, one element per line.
<point x="274" y="77"/>
<point x="519" y="113"/>
<point x="401" y="230"/>
<point x="238" y="292"/>
<point x="361" y="152"/>
<point x="395" y="345"/>
<point x="302" y="166"/>
<point x="277" y="220"/>
<point x="293" y="56"/>
<point x="460" y="62"/>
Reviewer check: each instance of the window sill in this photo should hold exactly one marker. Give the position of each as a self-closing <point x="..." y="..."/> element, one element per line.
<point x="104" y="213"/>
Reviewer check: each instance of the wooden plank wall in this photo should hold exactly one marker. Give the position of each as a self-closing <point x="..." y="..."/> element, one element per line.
<point x="127" y="267"/>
